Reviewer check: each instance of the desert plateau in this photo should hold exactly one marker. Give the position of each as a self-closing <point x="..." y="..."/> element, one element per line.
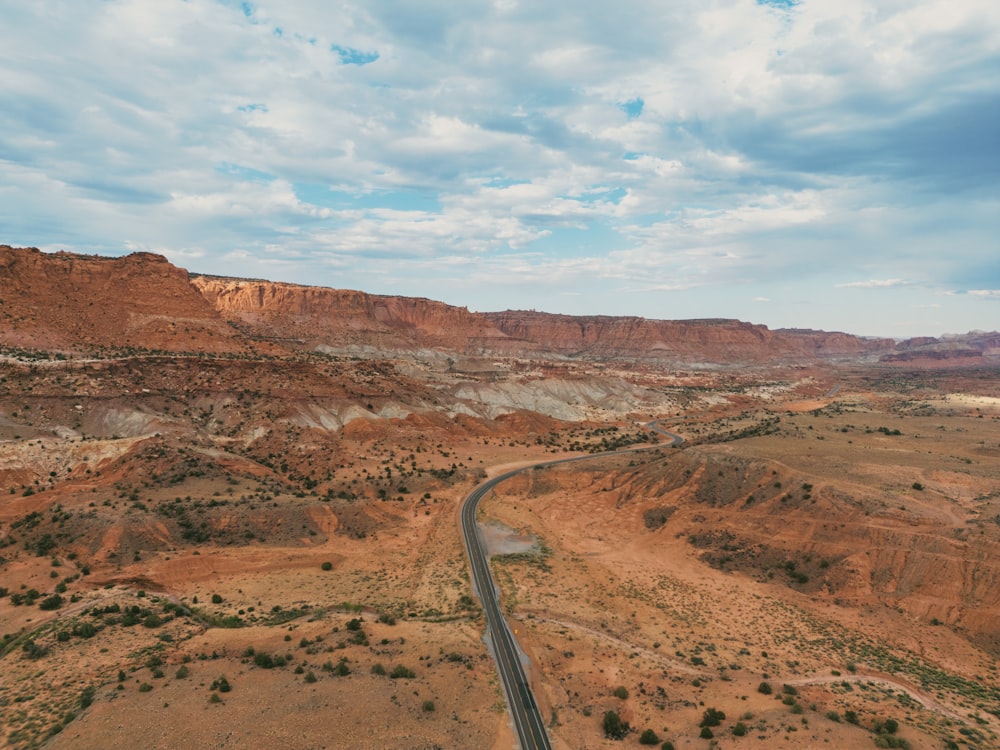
<point x="230" y="517"/>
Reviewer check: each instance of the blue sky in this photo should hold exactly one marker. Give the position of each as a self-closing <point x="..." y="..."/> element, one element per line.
<point x="829" y="164"/>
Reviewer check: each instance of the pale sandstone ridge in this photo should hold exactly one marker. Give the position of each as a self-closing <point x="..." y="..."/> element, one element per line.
<point x="67" y="301"/>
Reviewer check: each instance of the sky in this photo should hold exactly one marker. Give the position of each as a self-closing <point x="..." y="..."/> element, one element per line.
<point x="829" y="164"/>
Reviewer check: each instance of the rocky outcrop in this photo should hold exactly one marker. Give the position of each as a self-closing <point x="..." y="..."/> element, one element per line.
<point x="348" y="320"/>
<point x="62" y="301"/>
<point x="79" y="303"/>
<point x="961" y="348"/>
<point x="708" y="340"/>
<point x="337" y="318"/>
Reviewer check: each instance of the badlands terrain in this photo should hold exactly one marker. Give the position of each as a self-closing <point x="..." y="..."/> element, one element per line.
<point x="229" y="518"/>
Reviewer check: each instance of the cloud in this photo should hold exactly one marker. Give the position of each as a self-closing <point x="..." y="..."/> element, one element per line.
<point x="874" y="284"/>
<point x="645" y="145"/>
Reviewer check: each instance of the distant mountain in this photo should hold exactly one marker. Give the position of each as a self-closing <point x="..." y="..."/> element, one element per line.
<point x="77" y="303"/>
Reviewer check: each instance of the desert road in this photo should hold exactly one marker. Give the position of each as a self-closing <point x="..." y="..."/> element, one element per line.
<point x="521" y="701"/>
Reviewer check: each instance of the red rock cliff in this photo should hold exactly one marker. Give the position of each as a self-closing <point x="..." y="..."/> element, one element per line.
<point x="78" y="302"/>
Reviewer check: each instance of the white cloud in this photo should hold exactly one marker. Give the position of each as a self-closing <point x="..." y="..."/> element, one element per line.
<point x="772" y="145"/>
<point x="874" y="284"/>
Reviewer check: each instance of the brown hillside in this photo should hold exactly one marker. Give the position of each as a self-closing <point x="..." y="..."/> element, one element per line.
<point x="72" y="302"/>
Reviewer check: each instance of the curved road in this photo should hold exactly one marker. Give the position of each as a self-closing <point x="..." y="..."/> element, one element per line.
<point x="520" y="700"/>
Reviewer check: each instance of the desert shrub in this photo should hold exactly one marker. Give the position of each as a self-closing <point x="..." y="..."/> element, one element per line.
<point x="51" y="602"/>
<point x="648" y="737"/>
<point x="216" y="599"/>
<point x="889" y="726"/>
<point x="712" y="717"/>
<point x="614" y="727"/>
<point x="327" y="565"/>
<point x="87" y="696"/>
<point x="145" y="687"/>
<point x="740" y="729"/>
<point x="765" y="688"/>
<point x="221" y="684"/>
<point x="33" y="651"/>
<point x="310" y="677"/>
<point x="888" y="740"/>
<point x="152" y="621"/>
<point x="182" y="673"/>
<point x="620" y="692"/>
<point x="401" y="671"/>
<point x="428" y="706"/>
<point x="378" y="669"/>
<point x="706" y="733"/>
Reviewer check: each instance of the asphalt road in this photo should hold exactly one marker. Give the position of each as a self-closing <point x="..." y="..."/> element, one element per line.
<point x="520" y="700"/>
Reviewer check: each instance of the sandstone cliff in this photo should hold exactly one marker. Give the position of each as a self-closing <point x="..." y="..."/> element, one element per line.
<point x="63" y="301"/>
<point x="710" y="340"/>
<point x="341" y="319"/>
<point x="338" y="318"/>
<point x="76" y="302"/>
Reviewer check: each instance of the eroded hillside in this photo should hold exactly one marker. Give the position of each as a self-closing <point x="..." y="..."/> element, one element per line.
<point x="229" y="515"/>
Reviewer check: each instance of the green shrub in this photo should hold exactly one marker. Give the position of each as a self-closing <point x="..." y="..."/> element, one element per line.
<point x="712" y="717"/>
<point x="182" y="673"/>
<point x="378" y="669"/>
<point x="620" y="692"/>
<point x="706" y="733"/>
<point x="428" y="706"/>
<point x="327" y="565"/>
<point x="87" y="696"/>
<point x="145" y="687"/>
<point x="614" y="727"/>
<point x="221" y="684"/>
<point x="648" y="737"/>
<point x="765" y="688"/>
<point x="401" y="671"/>
<point x="51" y="602"/>
<point x="740" y="729"/>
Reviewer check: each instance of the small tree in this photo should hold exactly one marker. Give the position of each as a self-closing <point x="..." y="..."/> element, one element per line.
<point x="614" y="727"/>
<point x="712" y="717"/>
<point x="648" y="737"/>
<point x="765" y="688"/>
